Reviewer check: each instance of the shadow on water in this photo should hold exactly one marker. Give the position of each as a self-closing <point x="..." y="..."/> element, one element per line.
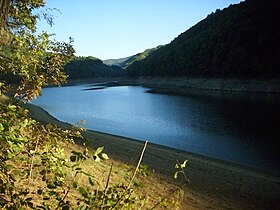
<point x="253" y="117"/>
<point x="100" y="86"/>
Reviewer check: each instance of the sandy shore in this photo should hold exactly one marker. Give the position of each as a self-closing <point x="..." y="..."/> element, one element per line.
<point x="213" y="184"/>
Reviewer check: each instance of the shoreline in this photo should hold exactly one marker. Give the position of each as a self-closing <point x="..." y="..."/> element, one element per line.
<point x="46" y="118"/>
<point x="217" y="182"/>
<point x="183" y="85"/>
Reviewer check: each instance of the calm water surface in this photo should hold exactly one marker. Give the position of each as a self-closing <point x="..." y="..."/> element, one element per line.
<point x="241" y="128"/>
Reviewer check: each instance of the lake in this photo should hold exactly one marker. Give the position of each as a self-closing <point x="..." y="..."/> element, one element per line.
<point x="243" y="128"/>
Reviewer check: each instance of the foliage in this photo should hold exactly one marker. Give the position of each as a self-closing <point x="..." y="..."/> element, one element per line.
<point x="29" y="152"/>
<point x="33" y="58"/>
<point x="35" y="172"/>
<point x="181" y="169"/>
<point x="241" y="41"/>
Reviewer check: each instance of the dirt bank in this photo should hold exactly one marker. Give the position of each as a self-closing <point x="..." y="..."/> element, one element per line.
<point x="213" y="184"/>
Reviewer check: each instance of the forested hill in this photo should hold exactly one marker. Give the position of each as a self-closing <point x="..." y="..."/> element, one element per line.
<point x="115" y="62"/>
<point x="88" y="67"/>
<point x="138" y="57"/>
<point x="125" y="62"/>
<point x="241" y="41"/>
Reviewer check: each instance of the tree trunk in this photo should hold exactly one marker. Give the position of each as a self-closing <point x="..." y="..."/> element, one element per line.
<point x="5" y="35"/>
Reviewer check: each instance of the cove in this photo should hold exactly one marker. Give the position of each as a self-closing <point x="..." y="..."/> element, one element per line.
<point x="242" y="128"/>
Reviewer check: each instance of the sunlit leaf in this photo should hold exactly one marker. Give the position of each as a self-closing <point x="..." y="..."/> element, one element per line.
<point x="96" y="158"/>
<point x="98" y="150"/>
<point x="104" y="156"/>
<point x="183" y="165"/>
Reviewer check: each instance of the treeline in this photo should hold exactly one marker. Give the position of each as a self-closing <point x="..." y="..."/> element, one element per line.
<point x="241" y="41"/>
<point x="88" y="67"/>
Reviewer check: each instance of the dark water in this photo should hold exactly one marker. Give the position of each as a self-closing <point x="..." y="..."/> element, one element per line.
<point x="241" y="128"/>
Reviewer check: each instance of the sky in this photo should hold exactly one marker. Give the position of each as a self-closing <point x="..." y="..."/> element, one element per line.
<point x="111" y="29"/>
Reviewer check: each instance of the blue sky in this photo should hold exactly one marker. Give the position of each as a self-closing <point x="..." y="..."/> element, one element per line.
<point x="120" y="28"/>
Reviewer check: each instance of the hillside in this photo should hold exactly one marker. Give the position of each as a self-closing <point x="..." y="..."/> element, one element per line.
<point x="138" y="57"/>
<point x="115" y="62"/>
<point x="241" y="41"/>
<point x="125" y="62"/>
<point x="88" y="67"/>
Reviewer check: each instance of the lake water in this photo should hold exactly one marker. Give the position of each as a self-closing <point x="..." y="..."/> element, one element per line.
<point x="241" y="128"/>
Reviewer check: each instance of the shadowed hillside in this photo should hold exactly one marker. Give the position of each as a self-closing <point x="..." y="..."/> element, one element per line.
<point x="241" y="41"/>
<point x="88" y="67"/>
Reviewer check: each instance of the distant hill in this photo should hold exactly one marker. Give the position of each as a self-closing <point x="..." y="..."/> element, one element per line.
<point x="125" y="62"/>
<point x="241" y="41"/>
<point x="138" y="57"/>
<point x="89" y="67"/>
<point x="115" y="62"/>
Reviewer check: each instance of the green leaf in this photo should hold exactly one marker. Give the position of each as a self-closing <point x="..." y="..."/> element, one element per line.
<point x="83" y="207"/>
<point x="104" y="156"/>
<point x="1" y="127"/>
<point x="12" y="107"/>
<point x="10" y="154"/>
<point x="75" y="185"/>
<point x="176" y="174"/>
<point x="184" y="164"/>
<point x="8" y="167"/>
<point x="96" y="158"/>
<point x="51" y="186"/>
<point x="58" y="198"/>
<point x="98" y="150"/>
<point x="83" y="191"/>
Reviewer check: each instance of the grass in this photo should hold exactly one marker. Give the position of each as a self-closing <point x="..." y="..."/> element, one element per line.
<point x="147" y="190"/>
<point x="145" y="184"/>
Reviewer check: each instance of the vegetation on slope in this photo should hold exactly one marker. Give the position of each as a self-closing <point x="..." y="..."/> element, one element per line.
<point x="125" y="62"/>
<point x="241" y="41"/>
<point x="89" y="67"/>
<point x="115" y="62"/>
<point x="138" y="57"/>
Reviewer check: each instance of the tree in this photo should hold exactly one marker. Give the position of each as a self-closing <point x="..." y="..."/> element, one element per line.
<point x="34" y="58"/>
<point x="27" y="148"/>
